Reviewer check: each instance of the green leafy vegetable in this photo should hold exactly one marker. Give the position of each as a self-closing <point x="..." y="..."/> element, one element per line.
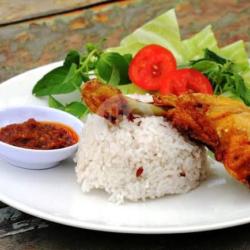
<point x="128" y="58"/>
<point x="57" y="81"/>
<point x="162" y="30"/>
<point x="246" y="77"/>
<point x="75" y="108"/>
<point x="72" y="57"/>
<point x="73" y="77"/>
<point x="236" y="52"/>
<point x="53" y="103"/>
<point x="112" y="68"/>
<point x="227" y="68"/>
<point x="224" y="76"/>
<point x="193" y="47"/>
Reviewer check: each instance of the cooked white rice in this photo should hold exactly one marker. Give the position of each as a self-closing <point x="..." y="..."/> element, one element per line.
<point x="109" y="158"/>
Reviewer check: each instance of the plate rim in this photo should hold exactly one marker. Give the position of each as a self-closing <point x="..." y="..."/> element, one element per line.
<point x="121" y="229"/>
<point x="105" y="227"/>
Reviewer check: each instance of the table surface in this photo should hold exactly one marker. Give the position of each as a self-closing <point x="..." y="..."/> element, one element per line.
<point x="34" y="33"/>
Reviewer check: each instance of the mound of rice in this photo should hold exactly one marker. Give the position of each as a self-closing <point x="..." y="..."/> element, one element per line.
<point x="146" y="158"/>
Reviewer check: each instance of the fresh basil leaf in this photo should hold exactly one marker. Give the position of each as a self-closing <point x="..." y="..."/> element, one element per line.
<point x="74" y="77"/>
<point x="53" y="103"/>
<point x="52" y="83"/>
<point x="110" y="65"/>
<point x="59" y="81"/>
<point x="77" y="109"/>
<point x="72" y="57"/>
<point x="114" y="77"/>
<point x="128" y="58"/>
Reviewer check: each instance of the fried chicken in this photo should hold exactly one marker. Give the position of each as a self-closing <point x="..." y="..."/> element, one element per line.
<point x="220" y="123"/>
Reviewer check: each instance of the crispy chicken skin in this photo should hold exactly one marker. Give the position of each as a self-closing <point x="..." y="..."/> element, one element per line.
<point x="220" y="123"/>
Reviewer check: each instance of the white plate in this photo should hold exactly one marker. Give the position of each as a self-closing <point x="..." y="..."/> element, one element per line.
<point x="54" y="194"/>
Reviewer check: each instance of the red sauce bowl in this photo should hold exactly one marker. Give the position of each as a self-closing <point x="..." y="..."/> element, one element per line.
<point x="37" y="158"/>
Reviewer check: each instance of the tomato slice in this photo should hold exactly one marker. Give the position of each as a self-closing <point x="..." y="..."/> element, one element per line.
<point x="150" y="66"/>
<point x="185" y="80"/>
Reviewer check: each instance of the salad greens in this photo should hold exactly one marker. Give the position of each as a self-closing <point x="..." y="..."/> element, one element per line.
<point x="227" y="68"/>
<point x="194" y="46"/>
<point x="163" y="30"/>
<point x="110" y="67"/>
<point x="76" y="108"/>
<point x="224" y="76"/>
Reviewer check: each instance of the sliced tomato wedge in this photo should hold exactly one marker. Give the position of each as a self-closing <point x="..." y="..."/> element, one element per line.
<point x="185" y="80"/>
<point x="150" y="66"/>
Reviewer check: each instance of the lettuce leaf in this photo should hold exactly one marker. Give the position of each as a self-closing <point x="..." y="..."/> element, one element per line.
<point x="236" y="52"/>
<point x="194" y="46"/>
<point x="162" y="30"/>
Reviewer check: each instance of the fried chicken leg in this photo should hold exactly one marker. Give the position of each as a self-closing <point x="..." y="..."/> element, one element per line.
<point x="220" y="123"/>
<point x="108" y="101"/>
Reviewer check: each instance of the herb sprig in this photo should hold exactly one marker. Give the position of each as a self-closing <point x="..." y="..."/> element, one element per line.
<point x="224" y="75"/>
<point x="109" y="67"/>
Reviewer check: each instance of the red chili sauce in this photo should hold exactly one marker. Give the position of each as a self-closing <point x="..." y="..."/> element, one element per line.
<point x="38" y="135"/>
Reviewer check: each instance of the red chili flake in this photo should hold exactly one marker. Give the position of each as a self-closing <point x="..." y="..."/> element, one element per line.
<point x="183" y="174"/>
<point x="139" y="171"/>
